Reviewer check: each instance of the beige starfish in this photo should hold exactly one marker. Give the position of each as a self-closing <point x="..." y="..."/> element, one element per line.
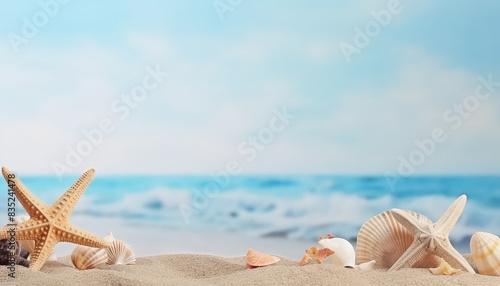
<point x="49" y="225"/>
<point x="432" y="237"/>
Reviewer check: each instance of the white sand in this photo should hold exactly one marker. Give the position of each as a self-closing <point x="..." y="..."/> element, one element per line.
<point x="190" y="269"/>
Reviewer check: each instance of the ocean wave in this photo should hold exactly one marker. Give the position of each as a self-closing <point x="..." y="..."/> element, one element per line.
<point x="266" y="215"/>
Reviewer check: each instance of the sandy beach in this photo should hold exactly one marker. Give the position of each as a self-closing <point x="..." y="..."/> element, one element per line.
<point x="193" y="269"/>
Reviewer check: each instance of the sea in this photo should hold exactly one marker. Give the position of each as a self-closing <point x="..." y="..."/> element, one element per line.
<point x="296" y="207"/>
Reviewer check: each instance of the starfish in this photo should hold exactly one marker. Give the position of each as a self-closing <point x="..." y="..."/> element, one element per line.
<point x="49" y="225"/>
<point x="432" y="237"/>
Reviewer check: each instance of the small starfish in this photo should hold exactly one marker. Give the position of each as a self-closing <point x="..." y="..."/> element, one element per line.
<point x="432" y="238"/>
<point x="49" y="225"/>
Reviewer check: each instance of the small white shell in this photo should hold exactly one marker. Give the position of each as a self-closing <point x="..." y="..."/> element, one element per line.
<point x="120" y="253"/>
<point x="84" y="257"/>
<point x="109" y="238"/>
<point x="344" y="252"/>
<point x="29" y="245"/>
<point x="366" y="265"/>
<point x="485" y="248"/>
<point x="385" y="240"/>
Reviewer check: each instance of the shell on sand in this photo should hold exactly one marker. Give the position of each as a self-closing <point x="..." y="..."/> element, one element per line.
<point x="120" y="253"/>
<point x="343" y="255"/>
<point x="385" y="240"/>
<point x="366" y="266"/>
<point x="258" y="259"/>
<point x="485" y="248"/>
<point x="21" y="254"/>
<point x="444" y="269"/>
<point x="29" y="245"/>
<point x="84" y="257"/>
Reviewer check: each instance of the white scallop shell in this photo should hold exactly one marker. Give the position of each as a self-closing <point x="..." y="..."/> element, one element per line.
<point x="384" y="239"/>
<point x="29" y="245"/>
<point x="344" y="252"/>
<point x="120" y="253"/>
<point x="485" y="248"/>
<point x="84" y="257"/>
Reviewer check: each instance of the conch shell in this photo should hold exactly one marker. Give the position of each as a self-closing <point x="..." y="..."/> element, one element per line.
<point x="385" y="240"/>
<point x="343" y="255"/>
<point x="258" y="259"/>
<point x="318" y="255"/>
<point x="444" y="269"/>
<point x="20" y="257"/>
<point x="120" y="253"/>
<point x="29" y="245"/>
<point x="485" y="248"/>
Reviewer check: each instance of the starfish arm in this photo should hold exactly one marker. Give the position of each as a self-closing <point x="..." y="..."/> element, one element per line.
<point x="446" y="223"/>
<point x="405" y="218"/>
<point x="76" y="235"/>
<point x="412" y="255"/>
<point x="67" y="202"/>
<point x="3" y="233"/>
<point x="453" y="257"/>
<point x="29" y="231"/>
<point x="43" y="249"/>
<point x="31" y="204"/>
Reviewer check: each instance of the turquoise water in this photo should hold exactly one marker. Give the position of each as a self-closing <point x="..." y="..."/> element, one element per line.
<point x="297" y="207"/>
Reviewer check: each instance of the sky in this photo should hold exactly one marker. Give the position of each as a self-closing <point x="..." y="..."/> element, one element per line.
<point x="253" y="87"/>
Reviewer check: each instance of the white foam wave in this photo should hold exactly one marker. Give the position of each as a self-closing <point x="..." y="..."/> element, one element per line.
<point x="305" y="217"/>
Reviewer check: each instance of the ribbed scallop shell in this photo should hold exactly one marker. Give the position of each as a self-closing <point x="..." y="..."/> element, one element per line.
<point x="485" y="248"/>
<point x="29" y="245"/>
<point x="384" y="239"/>
<point x="120" y="253"/>
<point x="344" y="252"/>
<point x="258" y="259"/>
<point x="84" y="257"/>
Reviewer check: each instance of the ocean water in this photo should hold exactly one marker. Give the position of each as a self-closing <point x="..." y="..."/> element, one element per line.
<point x="290" y="207"/>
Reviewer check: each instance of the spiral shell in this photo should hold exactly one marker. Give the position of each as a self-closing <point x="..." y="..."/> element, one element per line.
<point x="485" y="248"/>
<point x="20" y="257"/>
<point x="120" y="253"/>
<point x="344" y="252"/>
<point x="385" y="240"/>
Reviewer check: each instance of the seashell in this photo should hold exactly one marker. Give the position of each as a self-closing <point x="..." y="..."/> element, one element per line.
<point x="485" y="248"/>
<point x="385" y="240"/>
<point x="365" y="266"/>
<point x="109" y="238"/>
<point x="444" y="269"/>
<point x="29" y="245"/>
<point x="84" y="257"/>
<point x="120" y="253"/>
<point x="318" y="255"/>
<point x="258" y="259"/>
<point x="21" y="254"/>
<point x="343" y="255"/>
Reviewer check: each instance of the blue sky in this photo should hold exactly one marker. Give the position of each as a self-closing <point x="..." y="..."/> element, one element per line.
<point x="227" y="76"/>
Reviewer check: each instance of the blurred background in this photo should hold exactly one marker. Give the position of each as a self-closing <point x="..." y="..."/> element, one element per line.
<point x="216" y="126"/>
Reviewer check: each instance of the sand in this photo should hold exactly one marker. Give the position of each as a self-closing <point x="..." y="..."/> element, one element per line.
<point x="193" y="269"/>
